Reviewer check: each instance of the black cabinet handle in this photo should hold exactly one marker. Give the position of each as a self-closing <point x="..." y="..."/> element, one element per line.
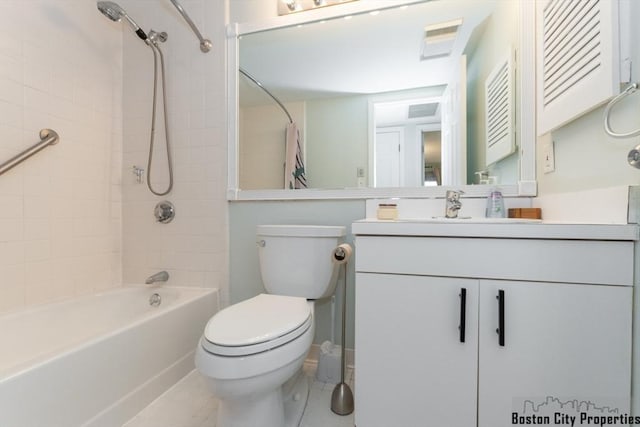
<point x="500" y="330"/>
<point x="463" y="313"/>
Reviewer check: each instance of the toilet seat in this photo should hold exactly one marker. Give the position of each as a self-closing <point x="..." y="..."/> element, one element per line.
<point x="257" y="325"/>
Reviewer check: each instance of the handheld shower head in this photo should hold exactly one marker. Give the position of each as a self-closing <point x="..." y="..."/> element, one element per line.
<point x="111" y="10"/>
<point x="114" y="12"/>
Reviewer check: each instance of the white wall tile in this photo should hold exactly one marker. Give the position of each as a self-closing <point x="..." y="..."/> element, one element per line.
<point x="188" y="248"/>
<point x="11" y="91"/>
<point x="60" y="68"/>
<point x="73" y="217"/>
<point x="12" y="288"/>
<point x="10" y="115"/>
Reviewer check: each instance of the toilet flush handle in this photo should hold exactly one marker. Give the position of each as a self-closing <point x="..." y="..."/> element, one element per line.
<point x="261" y="243"/>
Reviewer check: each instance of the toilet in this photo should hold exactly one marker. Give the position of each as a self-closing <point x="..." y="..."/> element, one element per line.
<point x="251" y="353"/>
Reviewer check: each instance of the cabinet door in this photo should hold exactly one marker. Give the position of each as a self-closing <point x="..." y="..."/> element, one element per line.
<point x="412" y="368"/>
<point x="561" y="342"/>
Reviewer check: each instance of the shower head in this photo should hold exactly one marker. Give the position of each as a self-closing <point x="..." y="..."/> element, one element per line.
<point x="114" y="12"/>
<point x="111" y="10"/>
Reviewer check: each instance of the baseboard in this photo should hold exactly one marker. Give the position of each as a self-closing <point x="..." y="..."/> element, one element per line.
<point x="314" y="353"/>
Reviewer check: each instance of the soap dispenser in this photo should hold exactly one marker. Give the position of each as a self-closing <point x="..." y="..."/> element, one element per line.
<point x="495" y="205"/>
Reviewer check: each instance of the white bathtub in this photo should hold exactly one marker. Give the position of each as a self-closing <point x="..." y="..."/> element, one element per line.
<point x="97" y="360"/>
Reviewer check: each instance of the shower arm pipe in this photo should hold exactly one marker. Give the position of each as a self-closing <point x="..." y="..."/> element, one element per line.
<point x="205" y="44"/>
<point x="47" y="137"/>
<point x="250" y="77"/>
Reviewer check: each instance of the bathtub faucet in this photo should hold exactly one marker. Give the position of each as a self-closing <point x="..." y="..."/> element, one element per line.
<point x="162" y="276"/>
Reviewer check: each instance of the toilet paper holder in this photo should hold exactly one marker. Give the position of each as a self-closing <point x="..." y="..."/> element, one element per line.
<point x="342" y="253"/>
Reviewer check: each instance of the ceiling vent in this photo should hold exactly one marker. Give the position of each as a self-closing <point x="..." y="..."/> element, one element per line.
<point x="417" y="111"/>
<point x="439" y="39"/>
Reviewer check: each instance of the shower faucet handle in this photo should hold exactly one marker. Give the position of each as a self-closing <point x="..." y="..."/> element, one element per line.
<point x="164" y="212"/>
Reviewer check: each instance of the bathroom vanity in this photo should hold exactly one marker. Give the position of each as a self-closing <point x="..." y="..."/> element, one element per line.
<point x="462" y="324"/>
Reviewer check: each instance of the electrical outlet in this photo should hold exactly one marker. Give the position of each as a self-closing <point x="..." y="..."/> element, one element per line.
<point x="549" y="159"/>
<point x="361" y="178"/>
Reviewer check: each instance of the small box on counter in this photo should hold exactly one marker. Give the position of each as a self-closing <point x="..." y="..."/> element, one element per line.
<point x="387" y="211"/>
<point x="529" y="213"/>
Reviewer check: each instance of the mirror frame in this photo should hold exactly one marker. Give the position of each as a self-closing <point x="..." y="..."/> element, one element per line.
<point x="526" y="186"/>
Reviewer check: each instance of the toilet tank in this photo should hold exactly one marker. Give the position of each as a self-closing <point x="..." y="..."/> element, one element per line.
<point x="296" y="260"/>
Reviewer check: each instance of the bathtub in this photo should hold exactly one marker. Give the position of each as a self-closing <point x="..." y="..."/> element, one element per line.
<point x="97" y="360"/>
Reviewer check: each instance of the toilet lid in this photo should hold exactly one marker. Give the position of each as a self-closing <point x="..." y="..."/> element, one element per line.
<point x="253" y="325"/>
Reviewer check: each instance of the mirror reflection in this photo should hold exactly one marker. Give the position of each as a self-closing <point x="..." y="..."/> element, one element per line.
<point x="401" y="97"/>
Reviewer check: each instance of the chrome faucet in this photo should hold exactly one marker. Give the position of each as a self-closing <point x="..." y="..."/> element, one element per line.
<point x="453" y="203"/>
<point x="162" y="276"/>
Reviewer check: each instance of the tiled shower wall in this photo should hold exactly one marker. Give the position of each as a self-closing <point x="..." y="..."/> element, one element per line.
<point x="63" y="212"/>
<point x="192" y="248"/>
<point x="60" y="216"/>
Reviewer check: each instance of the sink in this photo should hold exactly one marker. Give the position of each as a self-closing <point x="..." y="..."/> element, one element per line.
<point x="470" y="220"/>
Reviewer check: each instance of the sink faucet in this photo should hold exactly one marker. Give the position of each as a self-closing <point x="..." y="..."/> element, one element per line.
<point x="453" y="203"/>
<point x="162" y="276"/>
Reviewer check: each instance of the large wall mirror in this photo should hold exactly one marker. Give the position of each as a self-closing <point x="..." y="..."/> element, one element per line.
<point x="387" y="99"/>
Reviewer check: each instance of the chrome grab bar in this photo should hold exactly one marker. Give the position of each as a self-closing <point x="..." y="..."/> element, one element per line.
<point x="205" y="44"/>
<point x="47" y="137"/>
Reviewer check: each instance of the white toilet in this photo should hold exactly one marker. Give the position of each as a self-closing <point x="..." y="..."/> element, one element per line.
<point x="252" y="352"/>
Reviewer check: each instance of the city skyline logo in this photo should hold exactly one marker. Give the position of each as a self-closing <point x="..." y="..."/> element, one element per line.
<point x="530" y="406"/>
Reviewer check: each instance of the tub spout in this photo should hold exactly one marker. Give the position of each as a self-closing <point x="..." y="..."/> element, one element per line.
<point x="162" y="276"/>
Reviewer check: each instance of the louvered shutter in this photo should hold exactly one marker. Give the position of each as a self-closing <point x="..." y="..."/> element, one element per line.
<point x="500" y="110"/>
<point x="578" y="58"/>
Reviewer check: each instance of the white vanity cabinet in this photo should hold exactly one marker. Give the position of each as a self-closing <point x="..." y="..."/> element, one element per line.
<point x="564" y="304"/>
<point x="562" y="340"/>
<point x="410" y="361"/>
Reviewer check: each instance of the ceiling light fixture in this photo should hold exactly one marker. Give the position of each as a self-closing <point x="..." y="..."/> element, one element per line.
<point x="286" y="7"/>
<point x="291" y="5"/>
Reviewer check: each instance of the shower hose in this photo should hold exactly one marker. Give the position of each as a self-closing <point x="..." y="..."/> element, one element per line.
<point x="157" y="52"/>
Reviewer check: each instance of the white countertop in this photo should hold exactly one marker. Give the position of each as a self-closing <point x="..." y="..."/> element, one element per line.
<point x="509" y="230"/>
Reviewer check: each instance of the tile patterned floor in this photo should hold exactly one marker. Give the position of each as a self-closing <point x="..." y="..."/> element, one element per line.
<point x="190" y="404"/>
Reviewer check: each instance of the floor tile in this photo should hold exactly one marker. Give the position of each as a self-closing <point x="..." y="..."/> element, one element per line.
<point x="189" y="404"/>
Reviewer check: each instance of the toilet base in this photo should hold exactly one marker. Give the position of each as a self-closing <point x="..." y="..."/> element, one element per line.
<point x="283" y="406"/>
<point x="295" y="397"/>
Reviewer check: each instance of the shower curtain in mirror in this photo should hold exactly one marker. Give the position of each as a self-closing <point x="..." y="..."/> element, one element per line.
<point x="294" y="166"/>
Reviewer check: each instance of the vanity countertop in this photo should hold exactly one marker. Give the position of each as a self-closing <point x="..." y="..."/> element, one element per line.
<point x="488" y="229"/>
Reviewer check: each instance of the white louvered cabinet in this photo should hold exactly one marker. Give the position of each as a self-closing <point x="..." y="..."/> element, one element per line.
<point x="582" y="60"/>
<point x="500" y="109"/>
<point x="557" y="324"/>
